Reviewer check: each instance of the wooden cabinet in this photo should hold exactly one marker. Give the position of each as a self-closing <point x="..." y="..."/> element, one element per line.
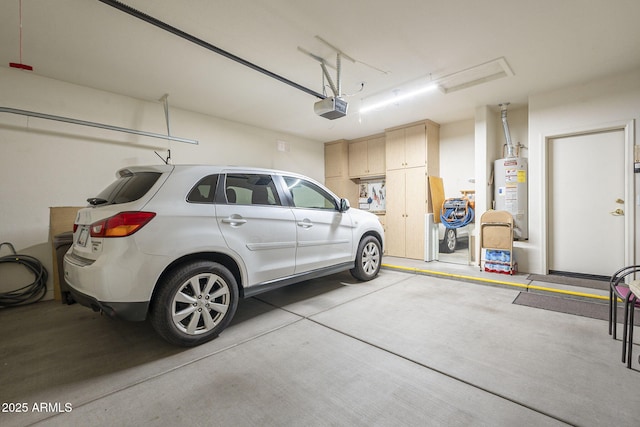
<point x="412" y="154"/>
<point x="406" y="156"/>
<point x="336" y="158"/>
<point x="415" y="145"/>
<point x="336" y="171"/>
<point x="405" y="214"/>
<point x="367" y="157"/>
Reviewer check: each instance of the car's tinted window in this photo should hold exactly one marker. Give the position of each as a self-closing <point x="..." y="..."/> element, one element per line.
<point x="306" y="194"/>
<point x="251" y="189"/>
<point x="129" y="187"/>
<point x="204" y="190"/>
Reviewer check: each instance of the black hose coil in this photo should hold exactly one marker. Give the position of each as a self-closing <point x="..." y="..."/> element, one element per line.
<point x="30" y="293"/>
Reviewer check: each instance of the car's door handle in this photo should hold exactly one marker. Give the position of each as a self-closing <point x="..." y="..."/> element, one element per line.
<point x="234" y="220"/>
<point x="305" y="223"/>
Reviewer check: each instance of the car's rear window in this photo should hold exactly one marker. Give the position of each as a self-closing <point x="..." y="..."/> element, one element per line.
<point x="204" y="190"/>
<point x="129" y="187"/>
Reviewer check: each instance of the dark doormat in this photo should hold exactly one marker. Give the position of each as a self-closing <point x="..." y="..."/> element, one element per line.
<point x="572" y="281"/>
<point x="594" y="310"/>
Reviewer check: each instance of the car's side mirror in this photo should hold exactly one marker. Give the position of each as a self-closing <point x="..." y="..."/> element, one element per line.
<point x="344" y="205"/>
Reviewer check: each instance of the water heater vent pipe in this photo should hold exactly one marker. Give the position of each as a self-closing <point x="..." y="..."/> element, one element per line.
<point x="505" y="125"/>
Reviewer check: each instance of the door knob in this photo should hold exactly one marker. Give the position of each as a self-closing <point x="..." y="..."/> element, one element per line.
<point x="617" y="212"/>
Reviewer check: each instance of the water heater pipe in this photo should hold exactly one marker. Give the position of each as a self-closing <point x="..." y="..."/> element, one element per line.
<point x="505" y="125"/>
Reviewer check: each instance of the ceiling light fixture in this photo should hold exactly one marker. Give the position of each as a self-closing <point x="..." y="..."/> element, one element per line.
<point x="398" y="98"/>
<point x="473" y="76"/>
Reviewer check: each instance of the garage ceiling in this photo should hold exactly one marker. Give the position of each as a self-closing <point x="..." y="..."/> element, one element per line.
<point x="547" y="44"/>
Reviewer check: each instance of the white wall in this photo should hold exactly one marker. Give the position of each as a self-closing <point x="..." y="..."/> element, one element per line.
<point x="45" y="163"/>
<point x="458" y="145"/>
<point x="457" y="156"/>
<point x="590" y="105"/>
<point x="595" y="104"/>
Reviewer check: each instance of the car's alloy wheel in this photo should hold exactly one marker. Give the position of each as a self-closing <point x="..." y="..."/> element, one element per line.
<point x="368" y="259"/>
<point x="450" y="240"/>
<point x="195" y="303"/>
<point x="200" y="303"/>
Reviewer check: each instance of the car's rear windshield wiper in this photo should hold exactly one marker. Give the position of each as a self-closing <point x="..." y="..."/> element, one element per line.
<point x="96" y="201"/>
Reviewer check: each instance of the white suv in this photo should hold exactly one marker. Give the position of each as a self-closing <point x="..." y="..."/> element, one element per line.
<point x="181" y="244"/>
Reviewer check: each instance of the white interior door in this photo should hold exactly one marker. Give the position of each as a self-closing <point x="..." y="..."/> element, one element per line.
<point x="587" y="203"/>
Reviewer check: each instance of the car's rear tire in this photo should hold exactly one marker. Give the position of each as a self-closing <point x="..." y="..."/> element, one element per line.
<point x="449" y="242"/>
<point x="368" y="259"/>
<point x="194" y="303"/>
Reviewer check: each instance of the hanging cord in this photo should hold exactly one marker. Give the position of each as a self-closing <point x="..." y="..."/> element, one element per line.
<point x="30" y="293"/>
<point x="21" y="31"/>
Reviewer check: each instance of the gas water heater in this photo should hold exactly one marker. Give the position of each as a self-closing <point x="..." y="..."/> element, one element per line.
<point x="510" y="182"/>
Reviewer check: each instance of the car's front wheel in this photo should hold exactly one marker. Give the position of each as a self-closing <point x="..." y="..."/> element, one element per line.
<point x="195" y="302"/>
<point x="368" y="259"/>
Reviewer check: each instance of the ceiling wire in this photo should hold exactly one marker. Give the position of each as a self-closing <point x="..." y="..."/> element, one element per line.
<point x="20" y="64"/>
<point x="20" y="7"/>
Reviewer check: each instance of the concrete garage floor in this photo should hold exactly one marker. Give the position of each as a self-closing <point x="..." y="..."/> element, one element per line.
<point x="403" y="350"/>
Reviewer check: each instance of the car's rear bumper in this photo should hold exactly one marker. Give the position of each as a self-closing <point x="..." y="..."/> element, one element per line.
<point x="119" y="274"/>
<point x="132" y="311"/>
<point x="119" y="283"/>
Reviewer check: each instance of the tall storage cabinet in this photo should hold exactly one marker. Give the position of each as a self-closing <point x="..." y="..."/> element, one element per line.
<point x="412" y="154"/>
<point x="406" y="206"/>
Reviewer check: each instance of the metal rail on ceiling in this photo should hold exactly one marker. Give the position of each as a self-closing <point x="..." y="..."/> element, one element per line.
<point x="193" y="39"/>
<point x="95" y="125"/>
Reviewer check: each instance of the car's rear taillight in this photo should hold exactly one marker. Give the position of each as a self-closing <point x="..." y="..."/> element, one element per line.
<point x="121" y="225"/>
<point x="75" y="227"/>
